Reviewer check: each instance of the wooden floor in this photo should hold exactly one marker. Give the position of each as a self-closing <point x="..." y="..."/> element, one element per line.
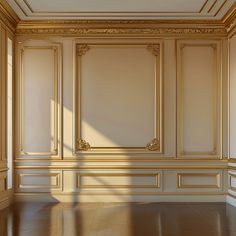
<point x="106" y="219"/>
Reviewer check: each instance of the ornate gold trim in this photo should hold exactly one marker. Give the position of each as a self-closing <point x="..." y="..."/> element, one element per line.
<point x="154" y="145"/>
<point x="121" y="167"/>
<point x="154" y="49"/>
<point x="82" y="145"/>
<point x="76" y="30"/>
<point x="8" y="15"/>
<point x="81" y="49"/>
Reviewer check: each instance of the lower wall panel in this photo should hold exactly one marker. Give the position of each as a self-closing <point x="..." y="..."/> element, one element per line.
<point x="231" y="198"/>
<point x="121" y="185"/>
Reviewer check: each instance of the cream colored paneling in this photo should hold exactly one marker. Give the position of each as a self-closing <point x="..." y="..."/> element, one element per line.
<point x="199" y="99"/>
<point x="110" y="112"/>
<point x="38" y="181"/>
<point x="199" y="180"/>
<point x="232" y="96"/>
<point x="39" y="99"/>
<point x="116" y="181"/>
<point x="194" y="181"/>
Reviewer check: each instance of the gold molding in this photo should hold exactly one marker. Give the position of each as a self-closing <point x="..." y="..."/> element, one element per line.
<point x="8" y="16"/>
<point x="157" y="177"/>
<point x="180" y="177"/>
<point x="121" y="167"/>
<point x="56" y="94"/>
<point x="216" y="152"/>
<point x="133" y="30"/>
<point x="161" y="194"/>
<point x="19" y="176"/>
<point x="81" y="49"/>
<point x="83" y="145"/>
<point x="153" y="145"/>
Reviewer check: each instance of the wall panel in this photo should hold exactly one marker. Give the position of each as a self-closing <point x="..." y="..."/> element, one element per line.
<point x="199" y="99"/>
<point x="38" y="181"/>
<point x="39" y="104"/>
<point x="109" y="113"/>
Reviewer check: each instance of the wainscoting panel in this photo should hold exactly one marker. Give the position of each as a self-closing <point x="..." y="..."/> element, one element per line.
<point x="38" y="181"/>
<point x="112" y="181"/>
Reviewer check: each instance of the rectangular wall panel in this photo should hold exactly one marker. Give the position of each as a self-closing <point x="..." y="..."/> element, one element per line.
<point x="38" y="181"/>
<point x="199" y="180"/>
<point x="199" y="99"/>
<point x="109" y="111"/>
<point x="39" y="100"/>
<point x="118" y="181"/>
<point x="194" y="181"/>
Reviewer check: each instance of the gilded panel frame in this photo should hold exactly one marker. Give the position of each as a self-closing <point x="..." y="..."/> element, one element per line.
<point x="216" y="152"/>
<point x="81" y="146"/>
<point x="55" y="151"/>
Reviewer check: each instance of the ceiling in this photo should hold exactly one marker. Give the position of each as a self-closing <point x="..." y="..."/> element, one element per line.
<point x="122" y="9"/>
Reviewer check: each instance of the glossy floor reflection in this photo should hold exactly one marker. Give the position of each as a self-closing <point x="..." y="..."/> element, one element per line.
<point x="114" y="219"/>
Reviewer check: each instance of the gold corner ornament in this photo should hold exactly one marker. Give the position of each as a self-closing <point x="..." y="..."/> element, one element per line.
<point x="81" y="49"/>
<point x="154" y="49"/>
<point x="154" y="145"/>
<point x="83" y="145"/>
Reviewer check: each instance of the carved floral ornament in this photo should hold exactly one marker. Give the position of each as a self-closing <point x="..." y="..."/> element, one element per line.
<point x="154" y="145"/>
<point x="83" y="145"/>
<point x="154" y="49"/>
<point x="81" y="49"/>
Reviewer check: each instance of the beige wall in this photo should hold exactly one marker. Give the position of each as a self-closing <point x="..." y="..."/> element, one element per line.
<point x="118" y="94"/>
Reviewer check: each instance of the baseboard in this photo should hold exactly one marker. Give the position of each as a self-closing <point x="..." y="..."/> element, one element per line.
<point x="45" y="197"/>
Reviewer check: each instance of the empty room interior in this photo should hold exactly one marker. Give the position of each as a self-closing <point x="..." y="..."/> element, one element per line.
<point x="118" y="118"/>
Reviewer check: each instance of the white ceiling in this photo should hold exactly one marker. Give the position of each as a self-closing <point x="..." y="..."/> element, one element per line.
<point x="120" y="9"/>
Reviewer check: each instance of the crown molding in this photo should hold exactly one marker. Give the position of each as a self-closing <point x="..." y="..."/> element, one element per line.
<point x="229" y="20"/>
<point x="8" y="16"/>
<point x="121" y="27"/>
